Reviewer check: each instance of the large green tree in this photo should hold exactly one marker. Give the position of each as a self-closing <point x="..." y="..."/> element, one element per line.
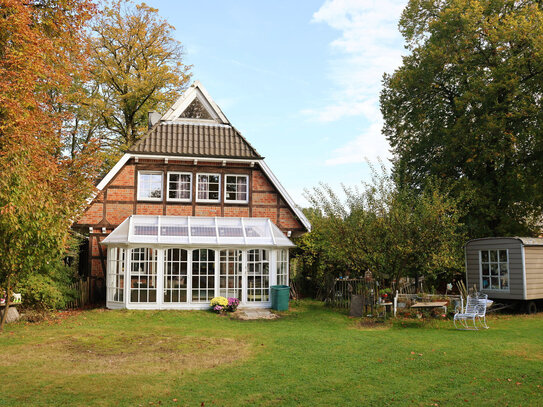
<point x="466" y="106"/>
<point x="137" y="67"/>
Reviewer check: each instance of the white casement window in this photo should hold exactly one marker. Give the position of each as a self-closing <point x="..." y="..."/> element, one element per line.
<point x="115" y="274"/>
<point x="179" y="186"/>
<point x="258" y="275"/>
<point x="209" y="187"/>
<point x="175" y="275"/>
<point x="282" y="267"/>
<point x="230" y="276"/>
<point x="494" y="266"/>
<point x="203" y="275"/>
<point x="150" y="185"/>
<point x="143" y="275"/>
<point x="236" y="188"/>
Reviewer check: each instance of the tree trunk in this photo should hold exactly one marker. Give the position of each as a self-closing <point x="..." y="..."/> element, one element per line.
<point x="6" y="308"/>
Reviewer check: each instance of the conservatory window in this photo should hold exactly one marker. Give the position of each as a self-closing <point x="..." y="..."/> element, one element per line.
<point x="115" y="275"/>
<point x="209" y="186"/>
<point x="203" y="275"/>
<point x="494" y="269"/>
<point x="236" y="187"/>
<point x="179" y="186"/>
<point x="175" y="275"/>
<point x="230" y="273"/>
<point x="282" y="267"/>
<point x="143" y="274"/>
<point x="150" y="185"/>
<point x="258" y="275"/>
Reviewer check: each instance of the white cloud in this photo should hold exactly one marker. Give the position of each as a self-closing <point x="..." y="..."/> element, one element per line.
<point x="369" y="145"/>
<point x="368" y="46"/>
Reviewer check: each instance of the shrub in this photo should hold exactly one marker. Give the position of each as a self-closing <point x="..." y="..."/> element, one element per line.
<point x="49" y="289"/>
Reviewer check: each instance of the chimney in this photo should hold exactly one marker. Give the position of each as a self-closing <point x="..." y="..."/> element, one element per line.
<point x="153" y="117"/>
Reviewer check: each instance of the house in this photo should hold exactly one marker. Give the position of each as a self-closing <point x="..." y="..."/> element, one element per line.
<point x="508" y="269"/>
<point x="191" y="211"/>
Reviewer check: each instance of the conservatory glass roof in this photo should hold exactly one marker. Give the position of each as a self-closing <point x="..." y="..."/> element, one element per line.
<point x="198" y="231"/>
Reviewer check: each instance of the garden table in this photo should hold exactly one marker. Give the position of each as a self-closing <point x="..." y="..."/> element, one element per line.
<point x="435" y="304"/>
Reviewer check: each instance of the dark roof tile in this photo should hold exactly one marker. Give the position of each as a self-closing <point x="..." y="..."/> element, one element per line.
<point x="195" y="140"/>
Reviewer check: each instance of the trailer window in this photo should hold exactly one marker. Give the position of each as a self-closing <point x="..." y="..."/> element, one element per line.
<point x="494" y="269"/>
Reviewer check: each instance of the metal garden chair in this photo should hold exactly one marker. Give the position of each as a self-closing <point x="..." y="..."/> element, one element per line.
<point x="475" y="310"/>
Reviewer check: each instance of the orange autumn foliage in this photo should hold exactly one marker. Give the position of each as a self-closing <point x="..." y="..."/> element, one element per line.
<point x="42" y="50"/>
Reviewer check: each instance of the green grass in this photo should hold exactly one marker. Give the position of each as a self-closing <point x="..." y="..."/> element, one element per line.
<point x="313" y="356"/>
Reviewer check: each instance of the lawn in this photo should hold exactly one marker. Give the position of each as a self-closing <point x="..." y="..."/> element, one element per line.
<point x="312" y="356"/>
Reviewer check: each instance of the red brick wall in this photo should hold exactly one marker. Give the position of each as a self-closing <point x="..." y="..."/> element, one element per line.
<point x="236" y="211"/>
<point x="208" y="211"/>
<point x="93" y="214"/>
<point x="116" y="213"/>
<point x="179" y="210"/>
<point x="287" y="220"/>
<point x="120" y="194"/>
<point x="149" y="209"/>
<point x="125" y="177"/>
<point x="260" y="182"/>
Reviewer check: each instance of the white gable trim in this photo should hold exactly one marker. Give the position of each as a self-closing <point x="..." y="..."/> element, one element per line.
<point x="116" y="168"/>
<point x="275" y="182"/>
<point x="196" y="91"/>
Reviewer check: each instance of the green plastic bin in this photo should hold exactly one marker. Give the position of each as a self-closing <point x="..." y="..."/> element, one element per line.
<point x="279" y="297"/>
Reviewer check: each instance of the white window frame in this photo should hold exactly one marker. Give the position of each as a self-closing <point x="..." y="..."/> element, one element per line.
<point x="150" y="261"/>
<point x="260" y="263"/>
<point x="225" y="186"/>
<point x="198" y="187"/>
<point x="189" y="199"/>
<point x="282" y="267"/>
<point x="140" y="173"/>
<point x="508" y="289"/>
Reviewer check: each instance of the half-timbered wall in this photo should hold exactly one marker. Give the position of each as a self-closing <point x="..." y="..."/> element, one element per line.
<point x="118" y="200"/>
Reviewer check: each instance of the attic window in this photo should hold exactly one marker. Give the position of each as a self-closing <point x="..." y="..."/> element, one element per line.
<point x="196" y="110"/>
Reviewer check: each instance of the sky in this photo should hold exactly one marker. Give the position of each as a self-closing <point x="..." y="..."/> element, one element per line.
<point x="299" y="79"/>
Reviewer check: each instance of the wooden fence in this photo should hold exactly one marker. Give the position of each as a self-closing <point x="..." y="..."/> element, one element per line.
<point x="81" y="289"/>
<point x="344" y="288"/>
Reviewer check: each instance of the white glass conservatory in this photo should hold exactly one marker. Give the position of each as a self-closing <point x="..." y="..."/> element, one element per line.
<point x="182" y="262"/>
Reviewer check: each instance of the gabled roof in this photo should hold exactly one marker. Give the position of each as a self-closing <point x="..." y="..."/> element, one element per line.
<point x="209" y="136"/>
<point x="198" y="231"/>
<point x="195" y="127"/>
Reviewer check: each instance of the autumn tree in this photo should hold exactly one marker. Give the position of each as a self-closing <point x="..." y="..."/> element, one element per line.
<point x="137" y="67"/>
<point x="41" y="190"/>
<point x="466" y="107"/>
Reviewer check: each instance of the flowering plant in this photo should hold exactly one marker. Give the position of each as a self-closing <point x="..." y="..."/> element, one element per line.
<point x="232" y="304"/>
<point x="218" y="304"/>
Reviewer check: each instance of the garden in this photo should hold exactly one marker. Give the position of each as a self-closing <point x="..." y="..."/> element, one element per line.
<point x="312" y="355"/>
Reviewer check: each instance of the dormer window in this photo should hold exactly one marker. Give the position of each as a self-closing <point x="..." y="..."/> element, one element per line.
<point x="236" y="188"/>
<point x="150" y="185"/>
<point x="209" y="187"/>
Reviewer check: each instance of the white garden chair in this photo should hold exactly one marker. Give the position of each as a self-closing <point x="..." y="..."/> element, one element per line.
<point x="475" y="310"/>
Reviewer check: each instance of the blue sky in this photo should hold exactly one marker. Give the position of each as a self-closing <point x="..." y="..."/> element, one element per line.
<point x="299" y="79"/>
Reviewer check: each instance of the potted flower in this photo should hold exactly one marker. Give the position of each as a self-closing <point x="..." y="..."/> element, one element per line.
<point x="219" y="304"/>
<point x="232" y="304"/>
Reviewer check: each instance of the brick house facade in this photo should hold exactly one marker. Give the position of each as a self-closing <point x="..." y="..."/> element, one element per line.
<point x="193" y="139"/>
